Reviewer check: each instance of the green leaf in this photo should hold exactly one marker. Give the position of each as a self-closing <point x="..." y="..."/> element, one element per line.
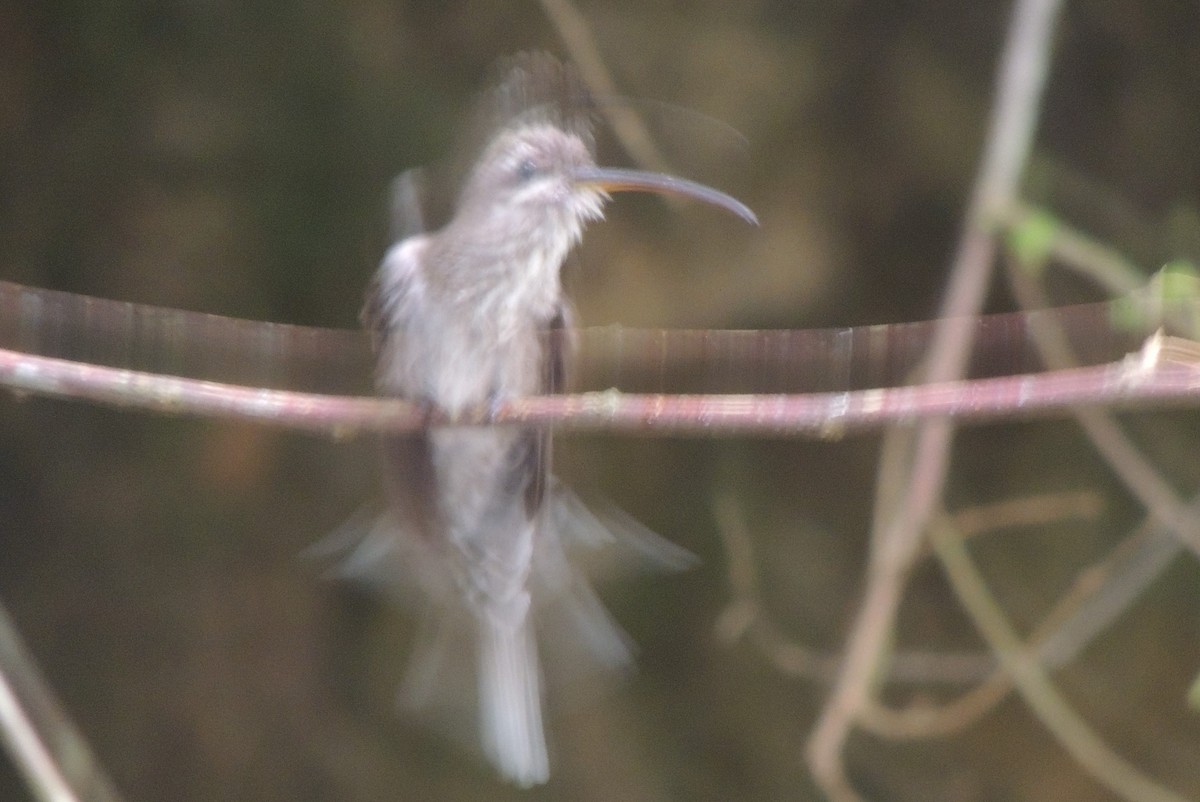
<point x="1031" y="240"/>
<point x="1178" y="281"/>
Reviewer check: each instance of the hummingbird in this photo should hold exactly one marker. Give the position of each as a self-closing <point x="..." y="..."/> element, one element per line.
<point x="471" y="315"/>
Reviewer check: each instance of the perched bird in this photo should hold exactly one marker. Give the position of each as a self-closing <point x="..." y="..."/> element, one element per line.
<point x="470" y="315"/>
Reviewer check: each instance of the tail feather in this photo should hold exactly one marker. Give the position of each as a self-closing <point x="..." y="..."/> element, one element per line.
<point x="511" y="701"/>
<point x="476" y="672"/>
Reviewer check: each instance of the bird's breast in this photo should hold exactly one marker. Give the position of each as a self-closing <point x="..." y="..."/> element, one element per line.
<point x="464" y="358"/>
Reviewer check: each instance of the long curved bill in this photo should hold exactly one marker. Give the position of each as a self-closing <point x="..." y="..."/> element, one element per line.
<point x="617" y="179"/>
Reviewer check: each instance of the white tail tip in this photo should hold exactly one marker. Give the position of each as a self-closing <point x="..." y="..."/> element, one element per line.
<point x="511" y="702"/>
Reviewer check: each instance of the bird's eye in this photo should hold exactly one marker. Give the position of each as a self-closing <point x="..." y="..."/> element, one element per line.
<point x="526" y="170"/>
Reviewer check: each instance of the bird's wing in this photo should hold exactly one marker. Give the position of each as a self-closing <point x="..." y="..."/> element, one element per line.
<point x="558" y="347"/>
<point x="407" y="205"/>
<point x="394" y="291"/>
<point x="392" y="296"/>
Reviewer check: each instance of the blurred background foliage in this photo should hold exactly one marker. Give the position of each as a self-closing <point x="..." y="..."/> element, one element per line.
<point x="234" y="158"/>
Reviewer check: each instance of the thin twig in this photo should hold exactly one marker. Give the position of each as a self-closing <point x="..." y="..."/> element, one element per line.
<point x="43" y="742"/>
<point x="1103" y="591"/>
<point x="1039" y="692"/>
<point x="1030" y="511"/>
<point x="1100" y="593"/>
<point x="744" y="617"/>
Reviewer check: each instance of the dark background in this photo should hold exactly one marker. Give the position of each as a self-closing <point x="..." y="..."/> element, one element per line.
<point x="234" y="158"/>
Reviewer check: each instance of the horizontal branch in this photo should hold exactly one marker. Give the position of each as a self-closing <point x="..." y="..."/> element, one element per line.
<point x="1165" y="371"/>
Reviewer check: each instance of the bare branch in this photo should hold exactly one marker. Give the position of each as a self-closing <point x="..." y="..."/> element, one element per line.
<point x="1131" y="382"/>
